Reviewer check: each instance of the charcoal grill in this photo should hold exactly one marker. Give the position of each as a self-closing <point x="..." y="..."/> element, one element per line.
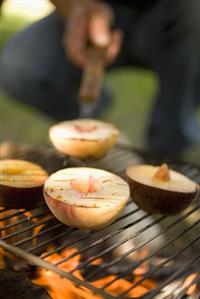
<point x="177" y="257"/>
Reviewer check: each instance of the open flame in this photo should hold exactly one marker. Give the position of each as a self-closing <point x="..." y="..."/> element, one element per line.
<point x="62" y="288"/>
<point x="192" y="287"/>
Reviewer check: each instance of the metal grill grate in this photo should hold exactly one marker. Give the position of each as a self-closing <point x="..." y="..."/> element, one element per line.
<point x="35" y="236"/>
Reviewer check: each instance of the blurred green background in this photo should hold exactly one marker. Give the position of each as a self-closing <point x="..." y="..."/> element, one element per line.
<point x="134" y="92"/>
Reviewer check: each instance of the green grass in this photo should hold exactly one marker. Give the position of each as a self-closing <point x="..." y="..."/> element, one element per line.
<point x="9" y="25"/>
<point x="129" y="110"/>
<point x="134" y="92"/>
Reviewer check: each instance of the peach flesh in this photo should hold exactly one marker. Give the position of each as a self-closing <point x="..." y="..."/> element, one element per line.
<point x="82" y="217"/>
<point x="160" y="192"/>
<point x="21" y="184"/>
<point x="86" y="198"/>
<point x="84" y="138"/>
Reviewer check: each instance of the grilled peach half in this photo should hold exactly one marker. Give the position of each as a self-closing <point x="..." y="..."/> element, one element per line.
<point x="87" y="198"/>
<point x="21" y="183"/>
<point x="84" y="138"/>
<point x="160" y="190"/>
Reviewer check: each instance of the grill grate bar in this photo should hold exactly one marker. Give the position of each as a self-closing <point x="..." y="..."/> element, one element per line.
<point x="123" y="156"/>
<point x="34" y="260"/>
<point x="137" y="248"/>
<point x="190" y="171"/>
<point x="167" y="228"/>
<point x="21" y="212"/>
<point x="66" y="244"/>
<point x="160" y="249"/>
<point x="184" y="290"/>
<point x="18" y="212"/>
<point x="102" y="240"/>
<point x="32" y="226"/>
<point x="27" y="219"/>
<point x="173" y="277"/>
<point x="107" y="237"/>
<point x="86" y="263"/>
<point x="42" y="244"/>
<point x="2" y="210"/>
<point x="171" y="258"/>
<point x="50" y="229"/>
<point x="131" y="236"/>
<point x="136" y="265"/>
<point x="117" y="155"/>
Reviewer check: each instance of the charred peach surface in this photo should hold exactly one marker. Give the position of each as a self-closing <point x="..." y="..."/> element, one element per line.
<point x="87" y="198"/>
<point x="84" y="138"/>
<point x="21" y="183"/>
<point x="160" y="190"/>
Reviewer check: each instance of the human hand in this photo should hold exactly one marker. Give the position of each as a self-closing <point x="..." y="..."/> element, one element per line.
<point x="89" y="24"/>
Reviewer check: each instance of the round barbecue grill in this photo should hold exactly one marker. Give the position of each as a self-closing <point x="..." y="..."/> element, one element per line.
<point x="161" y="257"/>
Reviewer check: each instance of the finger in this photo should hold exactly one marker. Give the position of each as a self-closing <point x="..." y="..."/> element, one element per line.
<point x="99" y="30"/>
<point x="76" y="39"/>
<point x="114" y="46"/>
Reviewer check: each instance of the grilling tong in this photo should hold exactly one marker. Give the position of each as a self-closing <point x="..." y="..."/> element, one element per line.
<point x="91" y="82"/>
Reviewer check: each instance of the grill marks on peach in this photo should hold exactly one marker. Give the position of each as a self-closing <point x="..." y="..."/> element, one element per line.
<point x="84" y="138"/>
<point x="86" y="185"/>
<point x="96" y="197"/>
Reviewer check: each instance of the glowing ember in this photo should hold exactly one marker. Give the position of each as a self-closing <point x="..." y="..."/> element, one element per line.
<point x="121" y="285"/>
<point x="192" y="288"/>
<point x="21" y="226"/>
<point x="144" y="267"/>
<point x="4" y="233"/>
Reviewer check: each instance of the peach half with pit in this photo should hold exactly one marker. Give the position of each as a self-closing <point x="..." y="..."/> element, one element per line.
<point x="86" y="198"/>
<point x="160" y="190"/>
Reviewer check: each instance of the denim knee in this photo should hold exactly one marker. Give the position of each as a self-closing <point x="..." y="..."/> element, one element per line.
<point x="28" y="79"/>
<point x="14" y="74"/>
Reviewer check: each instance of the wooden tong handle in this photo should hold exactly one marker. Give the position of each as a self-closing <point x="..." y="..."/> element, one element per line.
<point x="93" y="75"/>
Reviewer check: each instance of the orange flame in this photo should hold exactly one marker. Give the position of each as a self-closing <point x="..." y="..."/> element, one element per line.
<point x="191" y="289"/>
<point x="3" y="234"/>
<point x="12" y="229"/>
<point x="144" y="267"/>
<point x="60" y="288"/>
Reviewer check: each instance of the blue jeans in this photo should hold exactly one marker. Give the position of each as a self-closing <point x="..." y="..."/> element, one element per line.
<point x="166" y="39"/>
